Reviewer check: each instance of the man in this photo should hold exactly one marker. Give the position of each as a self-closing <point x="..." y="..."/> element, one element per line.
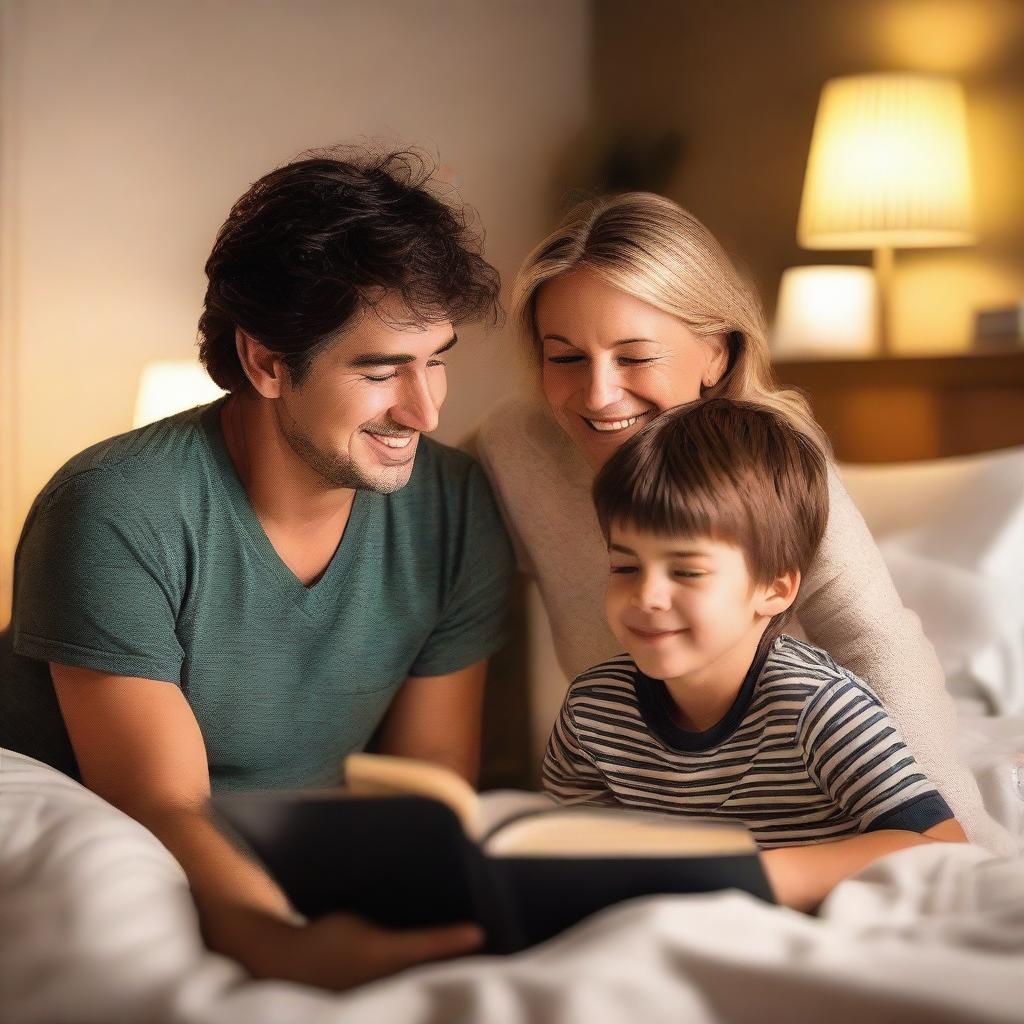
<point x="239" y="596"/>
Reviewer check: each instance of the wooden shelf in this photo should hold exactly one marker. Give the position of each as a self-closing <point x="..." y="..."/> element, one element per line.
<point x="899" y="409"/>
<point x="998" y="368"/>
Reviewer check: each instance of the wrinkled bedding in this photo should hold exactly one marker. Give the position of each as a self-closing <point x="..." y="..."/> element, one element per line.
<point x="96" y="925"/>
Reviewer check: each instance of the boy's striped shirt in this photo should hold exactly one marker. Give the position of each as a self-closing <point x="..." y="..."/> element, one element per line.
<point x="806" y="752"/>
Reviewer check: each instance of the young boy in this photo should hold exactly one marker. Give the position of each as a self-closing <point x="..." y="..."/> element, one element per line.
<point x="712" y="513"/>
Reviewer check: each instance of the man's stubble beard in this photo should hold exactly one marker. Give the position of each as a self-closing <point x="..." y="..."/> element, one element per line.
<point x="334" y="469"/>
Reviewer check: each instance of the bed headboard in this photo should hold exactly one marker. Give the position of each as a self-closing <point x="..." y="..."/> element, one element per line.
<point x="898" y="410"/>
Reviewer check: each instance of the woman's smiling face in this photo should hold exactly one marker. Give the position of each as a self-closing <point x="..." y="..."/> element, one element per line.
<point x="612" y="361"/>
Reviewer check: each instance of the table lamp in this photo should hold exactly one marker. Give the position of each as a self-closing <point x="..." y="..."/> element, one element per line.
<point x="825" y="313"/>
<point x="888" y="168"/>
<point x="172" y="386"/>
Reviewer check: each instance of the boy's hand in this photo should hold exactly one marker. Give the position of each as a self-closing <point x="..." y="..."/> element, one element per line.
<point x="802" y="876"/>
<point x="340" y="951"/>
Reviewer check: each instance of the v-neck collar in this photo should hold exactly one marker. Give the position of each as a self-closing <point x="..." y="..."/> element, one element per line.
<point x="320" y="595"/>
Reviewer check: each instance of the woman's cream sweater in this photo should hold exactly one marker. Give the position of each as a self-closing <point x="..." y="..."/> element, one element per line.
<point x="847" y="603"/>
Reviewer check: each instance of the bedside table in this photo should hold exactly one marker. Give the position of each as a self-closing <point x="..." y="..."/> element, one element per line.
<point x="901" y="409"/>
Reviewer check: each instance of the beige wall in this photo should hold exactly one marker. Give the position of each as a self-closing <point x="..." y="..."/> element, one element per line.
<point x="127" y="128"/>
<point x="740" y="80"/>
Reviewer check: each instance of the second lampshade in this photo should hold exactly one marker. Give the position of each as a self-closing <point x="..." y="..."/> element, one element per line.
<point x="888" y="168"/>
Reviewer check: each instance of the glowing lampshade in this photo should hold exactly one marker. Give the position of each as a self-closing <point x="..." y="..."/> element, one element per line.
<point x="888" y="165"/>
<point x="169" y="387"/>
<point x="826" y="312"/>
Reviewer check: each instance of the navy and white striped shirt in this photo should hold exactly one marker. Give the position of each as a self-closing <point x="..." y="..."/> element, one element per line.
<point x="806" y="753"/>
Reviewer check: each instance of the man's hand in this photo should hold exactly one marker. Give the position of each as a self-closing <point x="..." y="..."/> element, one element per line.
<point x="139" y="747"/>
<point x="341" y="951"/>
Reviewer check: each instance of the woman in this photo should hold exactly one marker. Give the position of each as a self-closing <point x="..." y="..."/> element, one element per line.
<point x="632" y="308"/>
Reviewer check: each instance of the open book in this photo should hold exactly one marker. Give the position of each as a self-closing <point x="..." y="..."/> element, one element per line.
<point x="409" y="844"/>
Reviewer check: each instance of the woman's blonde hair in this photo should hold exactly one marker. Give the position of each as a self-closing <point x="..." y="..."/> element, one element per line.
<point x="652" y="249"/>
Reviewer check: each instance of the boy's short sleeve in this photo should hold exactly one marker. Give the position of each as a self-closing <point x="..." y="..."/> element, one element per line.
<point x="90" y="587"/>
<point x="568" y="773"/>
<point x="474" y="621"/>
<point x="855" y="754"/>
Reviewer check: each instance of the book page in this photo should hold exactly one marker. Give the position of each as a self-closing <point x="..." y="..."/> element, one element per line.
<point x="500" y="805"/>
<point x="379" y="775"/>
<point x="617" y="833"/>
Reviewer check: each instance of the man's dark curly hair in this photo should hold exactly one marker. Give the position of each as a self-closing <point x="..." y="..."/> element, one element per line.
<point x="313" y="243"/>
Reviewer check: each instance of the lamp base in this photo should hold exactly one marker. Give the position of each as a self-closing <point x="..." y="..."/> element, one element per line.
<point x="883" y="264"/>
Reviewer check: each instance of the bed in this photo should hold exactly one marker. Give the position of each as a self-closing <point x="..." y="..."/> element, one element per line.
<point x="96" y="923"/>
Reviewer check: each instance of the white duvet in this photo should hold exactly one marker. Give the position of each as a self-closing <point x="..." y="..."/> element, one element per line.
<point x="96" y="925"/>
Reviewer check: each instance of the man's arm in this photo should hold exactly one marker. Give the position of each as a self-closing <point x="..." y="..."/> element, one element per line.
<point x="437" y="718"/>
<point x="802" y="876"/>
<point x="139" y="747"/>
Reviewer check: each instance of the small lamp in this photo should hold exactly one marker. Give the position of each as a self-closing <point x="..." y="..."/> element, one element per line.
<point x="888" y="168"/>
<point x="172" y="386"/>
<point x="826" y="312"/>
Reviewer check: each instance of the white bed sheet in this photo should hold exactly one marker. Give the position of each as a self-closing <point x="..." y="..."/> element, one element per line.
<point x="952" y="535"/>
<point x="96" y="925"/>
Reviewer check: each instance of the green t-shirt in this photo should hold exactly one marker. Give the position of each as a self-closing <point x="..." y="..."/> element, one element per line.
<point x="143" y="557"/>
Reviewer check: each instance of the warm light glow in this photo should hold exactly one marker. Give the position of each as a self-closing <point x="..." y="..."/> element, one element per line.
<point x="169" y="387"/>
<point x="888" y="165"/>
<point x="826" y="312"/>
<point x="948" y="36"/>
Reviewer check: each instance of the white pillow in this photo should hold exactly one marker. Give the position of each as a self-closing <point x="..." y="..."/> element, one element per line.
<point x="952" y="534"/>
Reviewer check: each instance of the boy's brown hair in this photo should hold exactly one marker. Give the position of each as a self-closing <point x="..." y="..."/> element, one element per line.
<point x="725" y="469"/>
